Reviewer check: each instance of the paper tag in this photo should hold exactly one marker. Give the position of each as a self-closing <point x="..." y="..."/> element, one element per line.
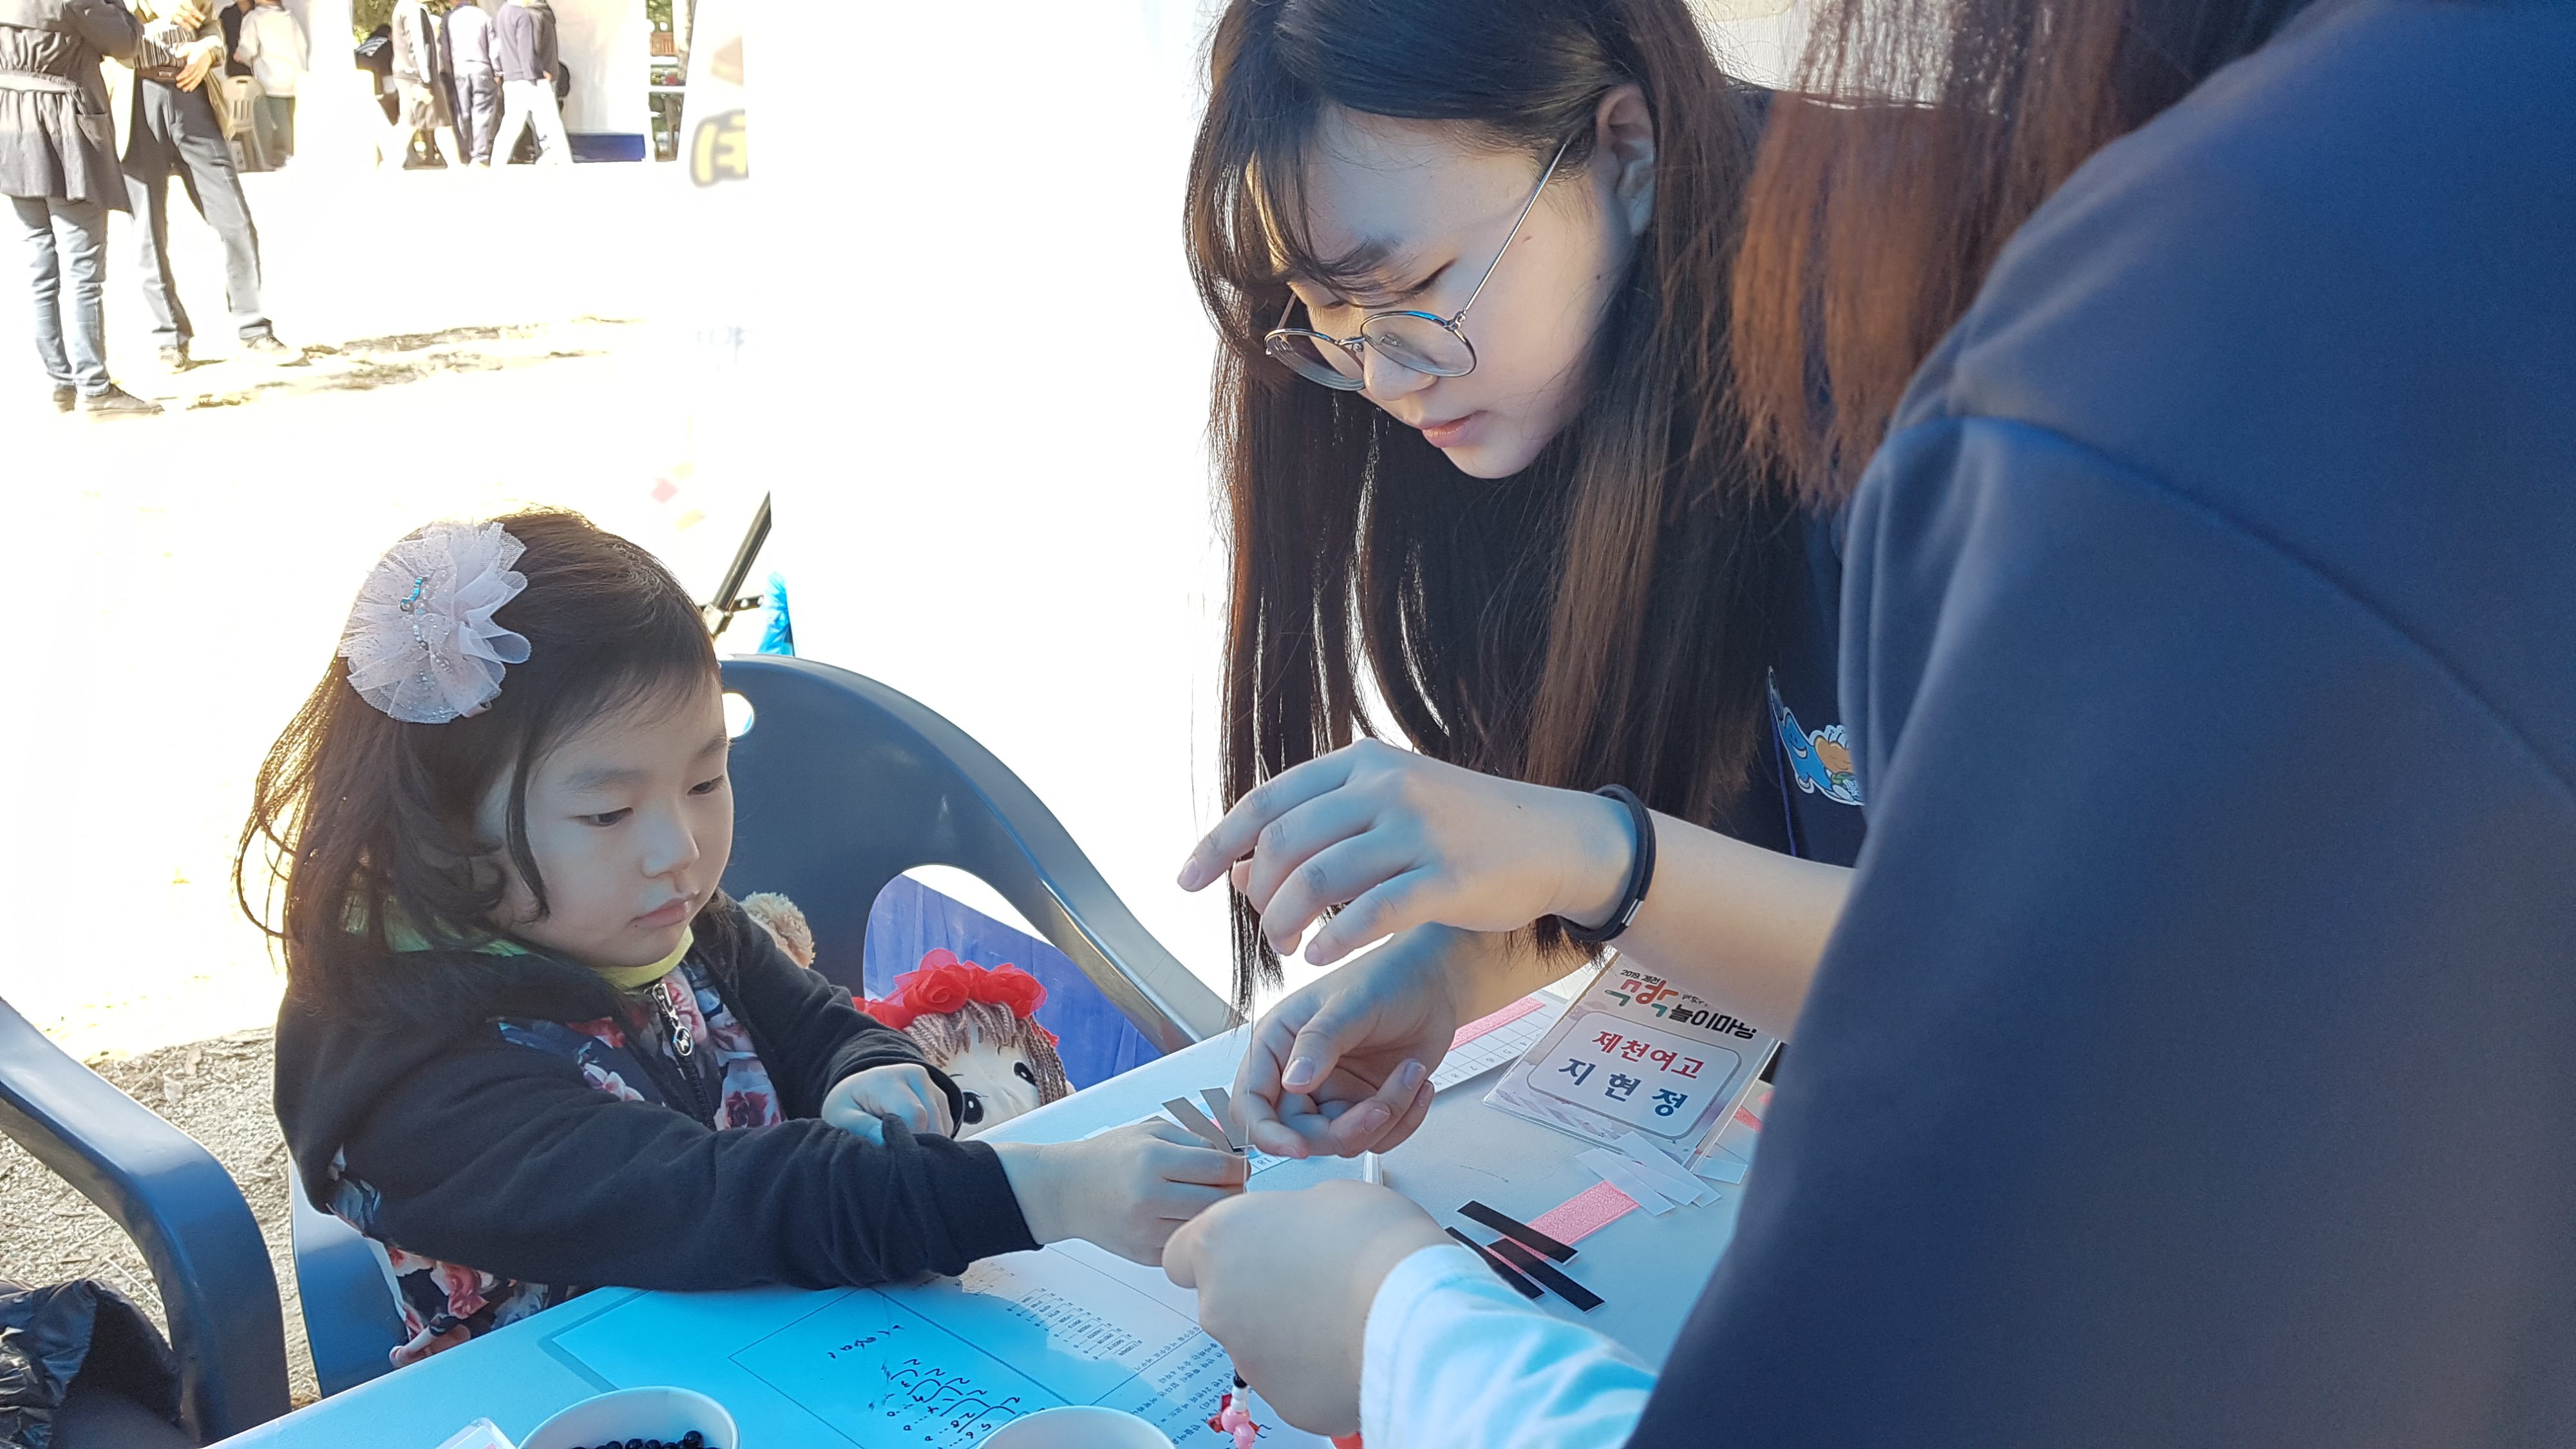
<point x="1615" y="1169"/>
<point x="1637" y="1053"/>
<point x="481" y="1434"/>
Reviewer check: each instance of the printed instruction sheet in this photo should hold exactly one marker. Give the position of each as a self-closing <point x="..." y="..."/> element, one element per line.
<point x="943" y="1363"/>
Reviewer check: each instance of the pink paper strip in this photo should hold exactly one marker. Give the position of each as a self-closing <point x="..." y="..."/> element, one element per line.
<point x="1585" y="1213"/>
<point x="1504" y="1017"/>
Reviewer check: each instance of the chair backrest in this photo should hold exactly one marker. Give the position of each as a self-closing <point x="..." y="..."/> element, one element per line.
<point x="350" y="1320"/>
<point x="842" y="784"/>
<point x="180" y="1207"/>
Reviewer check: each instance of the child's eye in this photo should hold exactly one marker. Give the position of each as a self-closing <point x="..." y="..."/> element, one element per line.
<point x="706" y="787"/>
<point x="605" y="820"/>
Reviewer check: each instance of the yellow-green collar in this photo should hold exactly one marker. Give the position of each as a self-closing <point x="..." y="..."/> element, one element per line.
<point x="403" y="936"/>
<point x="630" y="978"/>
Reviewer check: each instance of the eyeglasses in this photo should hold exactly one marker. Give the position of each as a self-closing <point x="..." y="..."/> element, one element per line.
<point x="1422" y="341"/>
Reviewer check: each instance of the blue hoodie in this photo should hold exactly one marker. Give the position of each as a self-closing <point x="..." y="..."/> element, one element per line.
<point x="2196" y="1061"/>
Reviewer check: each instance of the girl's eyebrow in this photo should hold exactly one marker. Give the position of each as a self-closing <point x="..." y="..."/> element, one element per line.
<point x="600" y="777"/>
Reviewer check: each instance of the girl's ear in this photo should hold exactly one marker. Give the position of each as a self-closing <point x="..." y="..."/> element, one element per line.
<point x="1624" y="154"/>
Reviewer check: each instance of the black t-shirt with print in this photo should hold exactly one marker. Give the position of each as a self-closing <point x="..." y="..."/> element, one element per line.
<point x="1802" y="798"/>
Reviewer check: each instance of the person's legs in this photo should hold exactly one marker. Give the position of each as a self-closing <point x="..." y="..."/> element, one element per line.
<point x="515" y="119"/>
<point x="285" y="123"/>
<point x="147" y="185"/>
<point x="550" y="127"/>
<point x="482" y="108"/>
<point x="84" y="249"/>
<point x="36" y="224"/>
<point x="264" y="128"/>
<point x="217" y="191"/>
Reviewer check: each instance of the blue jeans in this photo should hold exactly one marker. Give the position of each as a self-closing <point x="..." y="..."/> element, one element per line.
<point x="77" y="358"/>
<point x="175" y="132"/>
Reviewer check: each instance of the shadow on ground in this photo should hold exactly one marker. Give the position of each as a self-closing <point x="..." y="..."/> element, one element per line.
<point x="363" y="364"/>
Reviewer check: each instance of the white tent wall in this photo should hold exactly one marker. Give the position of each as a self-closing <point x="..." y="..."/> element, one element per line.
<point x="607" y="46"/>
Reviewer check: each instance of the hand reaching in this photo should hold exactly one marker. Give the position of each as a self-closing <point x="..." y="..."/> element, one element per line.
<point x="1398" y="840"/>
<point x="904" y="1092"/>
<point x="1285" y="1282"/>
<point x="1343" y="1065"/>
<point x="1126" y="1190"/>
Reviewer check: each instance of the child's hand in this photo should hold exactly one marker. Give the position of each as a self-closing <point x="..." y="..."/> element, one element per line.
<point x="1127" y="1190"/>
<point x="903" y="1092"/>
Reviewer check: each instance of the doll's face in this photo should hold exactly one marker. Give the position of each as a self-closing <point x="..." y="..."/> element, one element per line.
<point x="998" y="1083"/>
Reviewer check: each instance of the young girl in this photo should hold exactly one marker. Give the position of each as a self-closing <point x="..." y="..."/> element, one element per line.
<point x="528" y="1046"/>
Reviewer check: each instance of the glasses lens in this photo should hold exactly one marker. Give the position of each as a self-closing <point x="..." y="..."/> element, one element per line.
<point x="1332" y="366"/>
<point x="1421" y="344"/>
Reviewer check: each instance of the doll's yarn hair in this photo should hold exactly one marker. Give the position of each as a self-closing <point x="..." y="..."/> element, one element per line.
<point x="945" y="1036"/>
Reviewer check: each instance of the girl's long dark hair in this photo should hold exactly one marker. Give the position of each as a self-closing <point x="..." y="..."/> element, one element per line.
<point x="1601" y="617"/>
<point x="1921" y="135"/>
<point x="358" y="818"/>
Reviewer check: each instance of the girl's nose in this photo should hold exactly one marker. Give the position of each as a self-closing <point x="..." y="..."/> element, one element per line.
<point x="1383" y="380"/>
<point x="673" y="848"/>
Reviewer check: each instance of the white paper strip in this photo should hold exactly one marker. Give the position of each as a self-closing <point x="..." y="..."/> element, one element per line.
<point x="1615" y="1169"/>
<point x="1663" y="1172"/>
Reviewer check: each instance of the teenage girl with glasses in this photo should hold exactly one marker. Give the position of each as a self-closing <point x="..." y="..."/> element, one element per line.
<point x="1471" y="261"/>
<point x="2191" y="1060"/>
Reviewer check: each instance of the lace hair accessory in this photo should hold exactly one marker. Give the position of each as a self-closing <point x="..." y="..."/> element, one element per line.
<point x="421" y="643"/>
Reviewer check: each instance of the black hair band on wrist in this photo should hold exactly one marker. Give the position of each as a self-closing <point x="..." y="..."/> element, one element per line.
<point x="1641" y="873"/>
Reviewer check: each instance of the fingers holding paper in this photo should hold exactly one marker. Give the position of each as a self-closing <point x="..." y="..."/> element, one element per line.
<point x="1126" y="1190"/>
<point x="1285" y="1280"/>
<point x="1342" y="1066"/>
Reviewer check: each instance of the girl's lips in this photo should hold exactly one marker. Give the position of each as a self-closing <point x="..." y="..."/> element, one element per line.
<point x="670" y="915"/>
<point x="1449" y="434"/>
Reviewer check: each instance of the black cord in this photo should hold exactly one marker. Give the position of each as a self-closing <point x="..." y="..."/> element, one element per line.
<point x="1641" y="873"/>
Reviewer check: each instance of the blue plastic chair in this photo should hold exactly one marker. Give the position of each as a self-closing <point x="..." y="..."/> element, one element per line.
<point x="351" y="1322"/>
<point x="180" y="1207"/>
<point x="841" y="784"/>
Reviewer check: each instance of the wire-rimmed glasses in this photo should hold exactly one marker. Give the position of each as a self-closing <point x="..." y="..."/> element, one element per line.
<point x="1423" y="341"/>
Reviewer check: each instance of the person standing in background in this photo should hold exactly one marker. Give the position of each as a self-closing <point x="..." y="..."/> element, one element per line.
<point x="478" y="85"/>
<point x="421" y="94"/>
<point x="58" y="169"/>
<point x="171" y="127"/>
<point x="523" y="47"/>
<point x="272" y="45"/>
<point x="230" y="17"/>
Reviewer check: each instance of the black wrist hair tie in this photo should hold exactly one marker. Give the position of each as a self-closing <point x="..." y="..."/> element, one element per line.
<point x="1641" y="873"/>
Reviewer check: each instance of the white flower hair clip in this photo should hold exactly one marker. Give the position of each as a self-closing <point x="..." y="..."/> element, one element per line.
<point x="421" y="643"/>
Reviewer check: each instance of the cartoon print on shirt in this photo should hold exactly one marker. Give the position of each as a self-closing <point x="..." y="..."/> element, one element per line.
<point x="1821" y="761"/>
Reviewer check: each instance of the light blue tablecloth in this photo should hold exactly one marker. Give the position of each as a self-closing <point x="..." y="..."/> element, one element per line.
<point x="1648" y="1269"/>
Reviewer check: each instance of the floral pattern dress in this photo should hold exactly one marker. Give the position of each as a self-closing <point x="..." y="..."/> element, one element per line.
<point x="724" y="1085"/>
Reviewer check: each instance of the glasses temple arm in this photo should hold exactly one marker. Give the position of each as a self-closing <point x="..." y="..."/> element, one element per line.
<point x="1526" y="207"/>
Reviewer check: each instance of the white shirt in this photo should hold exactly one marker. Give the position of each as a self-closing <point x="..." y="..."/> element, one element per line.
<point x="1455" y="1360"/>
<point x="272" y="45"/>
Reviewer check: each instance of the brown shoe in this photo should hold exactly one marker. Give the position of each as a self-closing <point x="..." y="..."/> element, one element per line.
<point x="66" y="398"/>
<point x="116" y="402"/>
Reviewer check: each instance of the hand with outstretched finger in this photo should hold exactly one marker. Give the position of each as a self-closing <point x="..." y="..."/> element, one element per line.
<point x="1398" y="840"/>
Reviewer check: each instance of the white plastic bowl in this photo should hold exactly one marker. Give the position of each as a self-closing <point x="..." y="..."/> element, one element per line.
<point x="1084" y="1427"/>
<point x="663" y="1414"/>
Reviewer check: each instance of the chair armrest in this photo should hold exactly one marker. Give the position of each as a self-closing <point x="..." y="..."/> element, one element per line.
<point x="350" y="1317"/>
<point x="180" y="1207"/>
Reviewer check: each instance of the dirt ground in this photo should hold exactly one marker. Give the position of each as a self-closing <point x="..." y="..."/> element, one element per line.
<point x="216" y="1091"/>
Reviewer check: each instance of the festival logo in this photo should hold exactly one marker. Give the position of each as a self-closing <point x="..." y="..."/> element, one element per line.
<point x="1821" y="761"/>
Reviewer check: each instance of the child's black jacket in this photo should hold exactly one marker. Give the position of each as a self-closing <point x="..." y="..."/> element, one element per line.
<point x="500" y="1156"/>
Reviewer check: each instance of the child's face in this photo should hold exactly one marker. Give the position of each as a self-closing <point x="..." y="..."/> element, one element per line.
<point x="631" y="823"/>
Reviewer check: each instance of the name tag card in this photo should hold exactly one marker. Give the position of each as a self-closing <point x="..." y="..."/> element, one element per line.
<point x="1638" y="1053"/>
